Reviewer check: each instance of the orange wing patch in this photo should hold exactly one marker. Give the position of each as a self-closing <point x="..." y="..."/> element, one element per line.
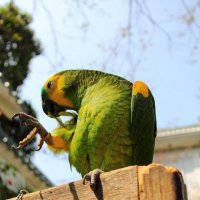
<point x="140" y="87"/>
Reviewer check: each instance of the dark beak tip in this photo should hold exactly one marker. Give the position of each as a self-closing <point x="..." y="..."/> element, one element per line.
<point x="50" y="108"/>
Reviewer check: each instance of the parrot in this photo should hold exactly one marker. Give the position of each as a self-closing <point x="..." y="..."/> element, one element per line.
<point x="112" y="121"/>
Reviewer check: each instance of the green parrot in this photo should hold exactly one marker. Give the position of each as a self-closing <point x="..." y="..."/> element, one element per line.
<point x="112" y="125"/>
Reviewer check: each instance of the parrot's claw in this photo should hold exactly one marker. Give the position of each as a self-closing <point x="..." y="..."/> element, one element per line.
<point x="28" y="120"/>
<point x="40" y="144"/>
<point x="93" y="177"/>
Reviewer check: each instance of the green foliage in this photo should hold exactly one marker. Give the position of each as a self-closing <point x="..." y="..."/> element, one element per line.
<point x="17" y="44"/>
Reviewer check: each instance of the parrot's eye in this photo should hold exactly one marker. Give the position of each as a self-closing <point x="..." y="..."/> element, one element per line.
<point x="51" y="84"/>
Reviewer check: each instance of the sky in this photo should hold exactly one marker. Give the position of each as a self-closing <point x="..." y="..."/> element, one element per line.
<point x="77" y="36"/>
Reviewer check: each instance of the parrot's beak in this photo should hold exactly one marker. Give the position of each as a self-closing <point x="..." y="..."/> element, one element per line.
<point x="51" y="108"/>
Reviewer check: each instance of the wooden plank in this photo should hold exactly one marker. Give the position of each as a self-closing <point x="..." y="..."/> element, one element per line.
<point x="112" y="185"/>
<point x="160" y="182"/>
<point x="150" y="182"/>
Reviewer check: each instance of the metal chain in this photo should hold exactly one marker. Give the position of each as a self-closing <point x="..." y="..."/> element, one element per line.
<point x="21" y="194"/>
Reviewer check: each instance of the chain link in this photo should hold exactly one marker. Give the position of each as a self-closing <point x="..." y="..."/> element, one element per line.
<point x="21" y="194"/>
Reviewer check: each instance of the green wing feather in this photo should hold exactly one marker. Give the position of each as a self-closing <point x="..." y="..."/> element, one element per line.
<point x="143" y="128"/>
<point x="65" y="130"/>
<point x="102" y="135"/>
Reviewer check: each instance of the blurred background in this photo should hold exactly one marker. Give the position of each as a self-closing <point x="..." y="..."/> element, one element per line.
<point x="153" y="41"/>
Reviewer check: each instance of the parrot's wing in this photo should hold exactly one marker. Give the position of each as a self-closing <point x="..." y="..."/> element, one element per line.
<point x="143" y="124"/>
<point x="102" y="135"/>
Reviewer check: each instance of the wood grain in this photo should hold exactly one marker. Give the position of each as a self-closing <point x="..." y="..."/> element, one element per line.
<point x="152" y="182"/>
<point x="160" y="182"/>
<point x="111" y="185"/>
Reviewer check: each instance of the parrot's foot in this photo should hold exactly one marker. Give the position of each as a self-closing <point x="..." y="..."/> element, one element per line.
<point x="93" y="177"/>
<point x="28" y="120"/>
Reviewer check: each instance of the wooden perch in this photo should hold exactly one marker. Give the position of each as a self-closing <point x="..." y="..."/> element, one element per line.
<point x="152" y="182"/>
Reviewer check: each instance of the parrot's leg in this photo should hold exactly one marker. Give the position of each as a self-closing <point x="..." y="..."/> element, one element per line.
<point x="93" y="177"/>
<point x="26" y="140"/>
<point x="29" y="120"/>
<point x="53" y="141"/>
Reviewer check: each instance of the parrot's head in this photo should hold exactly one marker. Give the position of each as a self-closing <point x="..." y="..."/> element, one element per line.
<point x="54" y="100"/>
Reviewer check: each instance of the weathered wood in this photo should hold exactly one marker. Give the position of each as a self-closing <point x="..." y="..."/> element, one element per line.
<point x="160" y="182"/>
<point x="135" y="182"/>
